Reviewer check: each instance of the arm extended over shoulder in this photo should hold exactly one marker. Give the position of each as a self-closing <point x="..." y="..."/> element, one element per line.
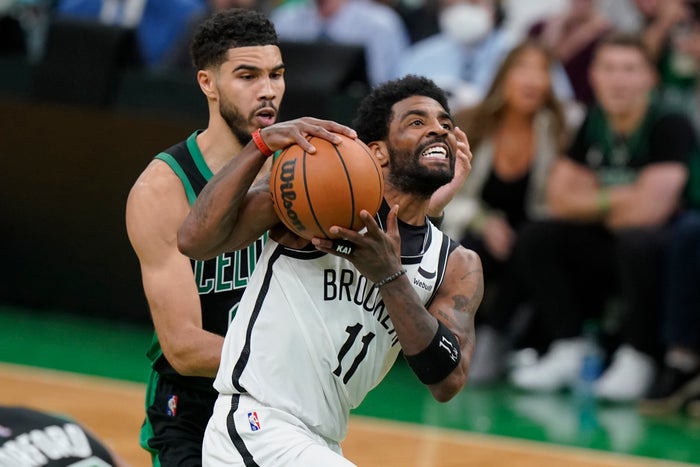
<point x="231" y="212"/>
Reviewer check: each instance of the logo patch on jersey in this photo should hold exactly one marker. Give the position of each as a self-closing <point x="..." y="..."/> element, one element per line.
<point x="172" y="406"/>
<point x="426" y="274"/>
<point x="254" y="421"/>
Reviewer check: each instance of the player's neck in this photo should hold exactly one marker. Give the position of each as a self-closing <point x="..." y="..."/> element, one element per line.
<point x="218" y="145"/>
<point x="412" y="209"/>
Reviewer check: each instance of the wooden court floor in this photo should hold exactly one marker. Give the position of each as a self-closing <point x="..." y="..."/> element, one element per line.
<point x="113" y="410"/>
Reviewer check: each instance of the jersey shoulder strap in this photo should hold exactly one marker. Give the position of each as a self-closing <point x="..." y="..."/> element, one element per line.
<point x="186" y="160"/>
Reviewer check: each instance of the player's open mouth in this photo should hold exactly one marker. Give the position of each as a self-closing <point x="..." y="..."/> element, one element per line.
<point x="266" y="116"/>
<point x="435" y="152"/>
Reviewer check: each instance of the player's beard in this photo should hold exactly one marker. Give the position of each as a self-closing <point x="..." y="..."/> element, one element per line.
<point x="235" y="120"/>
<point x="408" y="175"/>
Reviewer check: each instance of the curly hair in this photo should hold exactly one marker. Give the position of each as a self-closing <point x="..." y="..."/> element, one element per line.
<point x="236" y="27"/>
<point x="375" y="111"/>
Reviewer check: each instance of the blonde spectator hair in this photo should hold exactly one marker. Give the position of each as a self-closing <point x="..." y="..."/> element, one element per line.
<point x="480" y="121"/>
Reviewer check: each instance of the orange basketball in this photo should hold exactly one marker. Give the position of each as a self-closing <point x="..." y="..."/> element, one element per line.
<point x="312" y="192"/>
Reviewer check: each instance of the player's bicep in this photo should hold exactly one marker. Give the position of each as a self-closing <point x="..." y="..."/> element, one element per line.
<point x="154" y="213"/>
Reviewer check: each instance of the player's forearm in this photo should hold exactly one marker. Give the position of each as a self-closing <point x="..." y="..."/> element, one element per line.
<point x="214" y="216"/>
<point x="432" y="350"/>
<point x="414" y="325"/>
<point x="196" y="355"/>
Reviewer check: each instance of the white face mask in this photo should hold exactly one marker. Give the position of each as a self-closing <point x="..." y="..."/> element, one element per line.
<point x="465" y="22"/>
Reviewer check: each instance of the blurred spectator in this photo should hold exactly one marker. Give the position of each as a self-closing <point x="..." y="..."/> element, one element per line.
<point x="572" y="36"/>
<point x="521" y="16"/>
<point x="678" y="383"/>
<point x="178" y="55"/>
<point x="672" y="33"/>
<point x="158" y="23"/>
<point x="470" y="47"/>
<point x="23" y="27"/>
<point x="373" y="25"/>
<point x="419" y="16"/>
<point x="679" y="378"/>
<point x="515" y="134"/>
<point x="612" y="197"/>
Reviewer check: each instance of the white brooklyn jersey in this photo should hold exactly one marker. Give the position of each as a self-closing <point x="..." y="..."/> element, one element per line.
<point x="312" y="335"/>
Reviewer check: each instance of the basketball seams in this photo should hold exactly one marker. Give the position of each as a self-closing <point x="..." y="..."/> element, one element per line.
<point x="312" y="211"/>
<point x="321" y="199"/>
<point x="350" y="187"/>
<point x="275" y="181"/>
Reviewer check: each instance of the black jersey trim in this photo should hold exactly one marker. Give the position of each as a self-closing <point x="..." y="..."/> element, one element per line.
<point x="180" y="172"/>
<point x="445" y="251"/>
<point x="245" y="351"/>
<point x="197" y="156"/>
<point x="236" y="437"/>
<point x="302" y="254"/>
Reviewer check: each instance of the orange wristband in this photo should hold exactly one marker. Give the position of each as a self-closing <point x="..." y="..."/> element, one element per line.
<point x="260" y="144"/>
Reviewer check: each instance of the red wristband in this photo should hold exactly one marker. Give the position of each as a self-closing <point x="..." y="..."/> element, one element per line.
<point x="260" y="144"/>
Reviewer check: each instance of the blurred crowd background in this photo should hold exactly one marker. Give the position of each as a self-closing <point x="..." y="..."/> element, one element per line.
<point x="584" y="197"/>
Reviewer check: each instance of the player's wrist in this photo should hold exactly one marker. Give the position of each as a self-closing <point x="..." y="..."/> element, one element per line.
<point x="390" y="278"/>
<point x="260" y="144"/>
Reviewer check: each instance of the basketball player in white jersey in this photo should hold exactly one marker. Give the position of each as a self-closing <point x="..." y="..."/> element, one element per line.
<point x="316" y="330"/>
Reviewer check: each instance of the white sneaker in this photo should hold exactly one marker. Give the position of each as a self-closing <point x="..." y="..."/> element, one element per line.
<point x="628" y="378"/>
<point x="557" y="369"/>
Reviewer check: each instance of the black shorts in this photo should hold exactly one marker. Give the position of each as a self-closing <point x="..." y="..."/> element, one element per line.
<point x="176" y="418"/>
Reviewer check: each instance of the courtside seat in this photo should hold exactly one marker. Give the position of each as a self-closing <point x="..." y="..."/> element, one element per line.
<point x="83" y="62"/>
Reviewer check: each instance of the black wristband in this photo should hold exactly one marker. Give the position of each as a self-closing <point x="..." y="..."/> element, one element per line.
<point x="436" y="361"/>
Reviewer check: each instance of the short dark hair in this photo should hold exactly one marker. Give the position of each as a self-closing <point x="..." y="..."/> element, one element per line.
<point x="228" y="29"/>
<point x="629" y="40"/>
<point x="374" y="113"/>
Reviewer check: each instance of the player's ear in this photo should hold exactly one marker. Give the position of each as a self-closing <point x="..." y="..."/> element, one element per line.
<point x="207" y="83"/>
<point x="380" y="151"/>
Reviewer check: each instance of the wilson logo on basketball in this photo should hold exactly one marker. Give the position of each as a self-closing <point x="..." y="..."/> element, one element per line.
<point x="311" y="192"/>
<point x="288" y="194"/>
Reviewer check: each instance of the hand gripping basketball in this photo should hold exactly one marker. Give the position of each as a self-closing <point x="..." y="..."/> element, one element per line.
<point x="312" y="192"/>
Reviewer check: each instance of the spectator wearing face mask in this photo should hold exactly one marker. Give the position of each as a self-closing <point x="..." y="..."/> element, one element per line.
<point x="471" y="45"/>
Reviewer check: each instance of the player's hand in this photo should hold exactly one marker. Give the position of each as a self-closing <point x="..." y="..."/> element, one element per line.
<point x="375" y="253"/>
<point x="463" y="158"/>
<point x="281" y="135"/>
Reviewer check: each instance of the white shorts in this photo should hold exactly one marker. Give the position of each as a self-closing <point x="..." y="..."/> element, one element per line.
<point x="244" y="432"/>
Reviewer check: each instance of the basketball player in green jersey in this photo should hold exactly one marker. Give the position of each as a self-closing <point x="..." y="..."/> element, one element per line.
<point x="241" y="73"/>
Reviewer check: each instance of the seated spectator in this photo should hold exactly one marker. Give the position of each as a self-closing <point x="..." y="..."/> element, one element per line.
<point x="515" y="134"/>
<point x="612" y="200"/>
<point x="678" y="384"/>
<point x="373" y="25"/>
<point x="158" y="22"/>
<point x="679" y="378"/>
<point x="671" y="31"/>
<point x="470" y="46"/>
<point x="572" y="37"/>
